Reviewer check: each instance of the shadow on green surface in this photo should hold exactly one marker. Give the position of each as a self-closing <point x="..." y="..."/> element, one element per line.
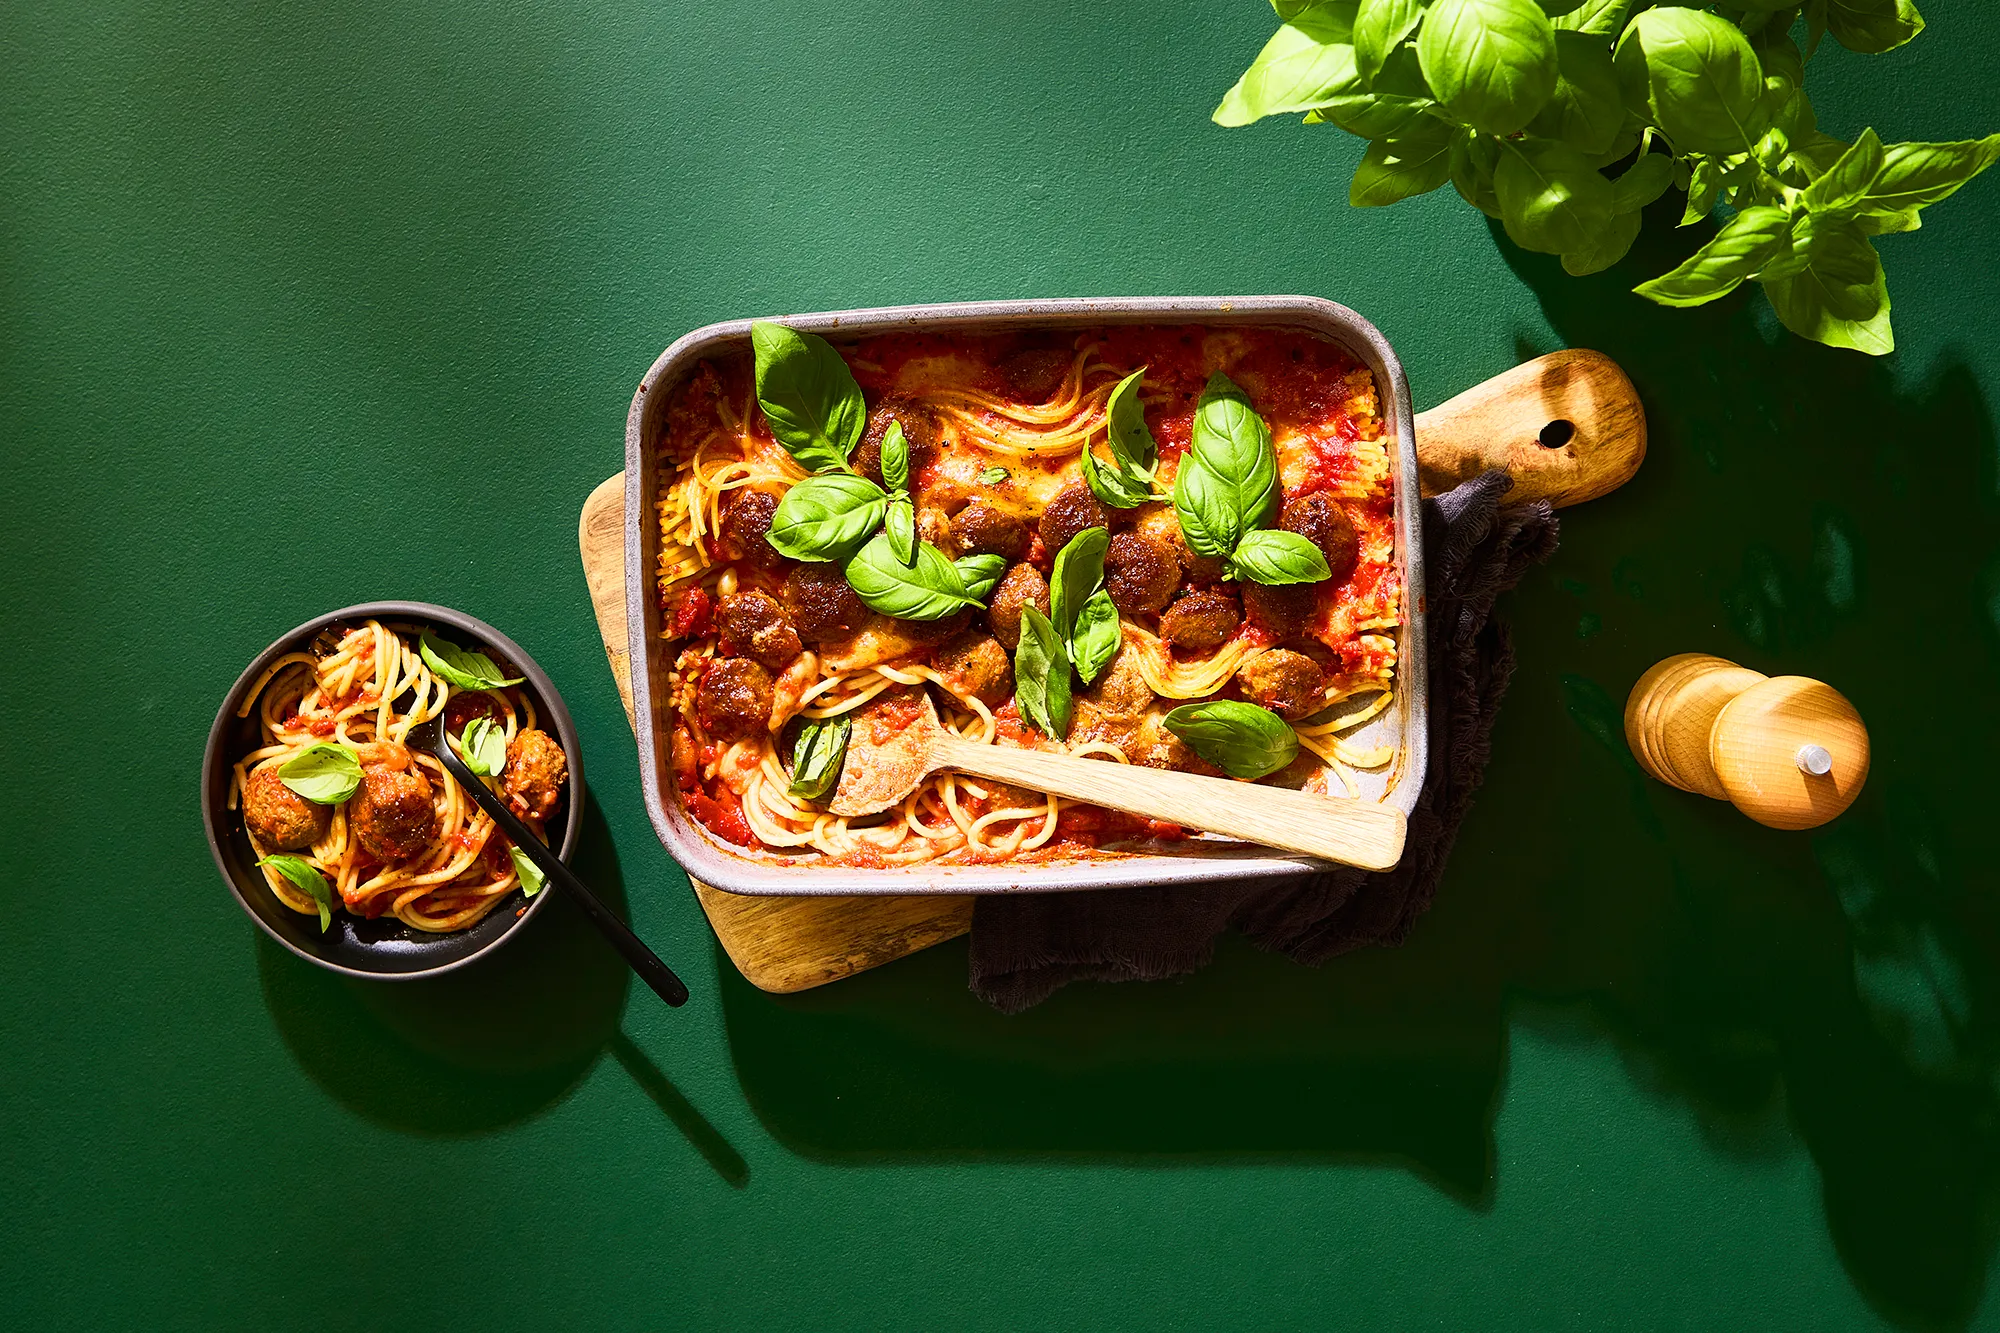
<point x="1836" y="990"/>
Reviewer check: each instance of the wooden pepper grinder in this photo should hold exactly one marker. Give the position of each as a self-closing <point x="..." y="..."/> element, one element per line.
<point x="1788" y="751"/>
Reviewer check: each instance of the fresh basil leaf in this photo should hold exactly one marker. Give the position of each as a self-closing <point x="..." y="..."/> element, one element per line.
<point x="1272" y="556"/>
<point x="1125" y="424"/>
<point x="929" y="589"/>
<point x="895" y="458"/>
<point x="1380" y="26"/>
<point x="1474" y="156"/>
<point x="993" y="476"/>
<point x="900" y="523"/>
<point x="1848" y="181"/>
<point x="1115" y="485"/>
<point x="1585" y="110"/>
<point x="308" y="879"/>
<point x="1241" y="739"/>
<point x="1233" y="445"/>
<point x="1917" y="175"/>
<point x="1779" y="57"/>
<point x="1735" y="252"/>
<point x="1396" y="105"/>
<point x="982" y="574"/>
<point x="1815" y="26"/>
<point x="1606" y="248"/>
<point x="1491" y="62"/>
<point x="827" y="517"/>
<point x="1078" y="572"/>
<point x="1206" y="510"/>
<point x="1304" y="60"/>
<point x="1599" y="18"/>
<point x="323" y="774"/>
<point x="483" y="746"/>
<point x="1643" y="182"/>
<point x="1551" y="199"/>
<point x="1841" y="297"/>
<point x="1704" y="185"/>
<point x="817" y="757"/>
<point x="1393" y="170"/>
<point x="1696" y="77"/>
<point x="467" y="670"/>
<point x="1873" y="26"/>
<point x="1041" y="676"/>
<point x="809" y="396"/>
<point x="1097" y="636"/>
<point x="1555" y="9"/>
<point x="531" y="876"/>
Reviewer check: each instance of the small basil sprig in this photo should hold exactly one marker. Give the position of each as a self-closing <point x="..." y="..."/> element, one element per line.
<point x="928" y="588"/>
<point x="483" y="746"/>
<point x="827" y="517"/>
<point x="309" y="881"/>
<point x="1082" y="612"/>
<point x="982" y="573"/>
<point x="901" y="521"/>
<point x="324" y="774"/>
<point x="1226" y="494"/>
<point x="465" y="669"/>
<point x="1274" y="556"/>
<point x="809" y="396"/>
<point x="1128" y="483"/>
<point x="1041" y="676"/>
<point x="817" y="756"/>
<point x="531" y="876"/>
<point x="1241" y="739"/>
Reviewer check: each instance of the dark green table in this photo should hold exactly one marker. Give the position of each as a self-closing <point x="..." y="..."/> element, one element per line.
<point x="306" y="304"/>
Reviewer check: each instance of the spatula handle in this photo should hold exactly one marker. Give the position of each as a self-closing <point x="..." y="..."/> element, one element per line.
<point x="1568" y="427"/>
<point x="1356" y="833"/>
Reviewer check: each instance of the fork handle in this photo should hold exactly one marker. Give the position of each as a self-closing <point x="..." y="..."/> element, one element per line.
<point x="1356" y="833"/>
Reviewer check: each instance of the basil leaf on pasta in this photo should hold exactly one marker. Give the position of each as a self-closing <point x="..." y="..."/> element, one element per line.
<point x="1115" y="486"/>
<point x="1232" y="442"/>
<point x="809" y="396"/>
<point x="817" y="757"/>
<point x="1209" y="520"/>
<point x="467" y="670"/>
<point x="982" y="574"/>
<point x="1041" y="676"/>
<point x="324" y="774"/>
<point x="929" y="589"/>
<point x="532" y="878"/>
<point x="900" y="526"/>
<point x="993" y="476"/>
<point x="1241" y="739"/>
<point x="1078" y="572"/>
<point x="827" y="517"/>
<point x="483" y="746"/>
<point x="309" y="881"/>
<point x="1125" y="424"/>
<point x="896" y="458"/>
<point x="1097" y="636"/>
<point x="1274" y="556"/>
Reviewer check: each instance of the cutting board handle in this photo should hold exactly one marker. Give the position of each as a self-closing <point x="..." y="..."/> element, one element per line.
<point x="1567" y="426"/>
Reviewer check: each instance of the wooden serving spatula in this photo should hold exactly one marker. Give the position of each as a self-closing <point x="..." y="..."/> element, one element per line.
<point x="877" y="775"/>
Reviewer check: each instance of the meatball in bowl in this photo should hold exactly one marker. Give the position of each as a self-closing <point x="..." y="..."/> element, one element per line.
<point x="390" y="807"/>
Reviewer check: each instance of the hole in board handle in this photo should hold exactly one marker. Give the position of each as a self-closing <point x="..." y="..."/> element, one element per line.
<point x="1557" y="433"/>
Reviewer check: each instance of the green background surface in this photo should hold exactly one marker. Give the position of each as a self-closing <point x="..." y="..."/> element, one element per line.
<point x="305" y="305"/>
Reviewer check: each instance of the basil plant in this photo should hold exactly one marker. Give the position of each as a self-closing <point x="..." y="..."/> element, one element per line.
<point x="1564" y="118"/>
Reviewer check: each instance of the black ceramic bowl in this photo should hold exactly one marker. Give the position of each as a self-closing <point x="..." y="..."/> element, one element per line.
<point x="384" y="948"/>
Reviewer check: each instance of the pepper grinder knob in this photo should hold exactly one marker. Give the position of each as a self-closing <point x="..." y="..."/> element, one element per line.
<point x="1814" y="760"/>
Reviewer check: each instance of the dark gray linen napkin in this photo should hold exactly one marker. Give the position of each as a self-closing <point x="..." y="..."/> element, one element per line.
<point x="1027" y="946"/>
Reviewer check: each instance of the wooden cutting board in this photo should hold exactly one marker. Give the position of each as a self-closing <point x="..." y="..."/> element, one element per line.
<point x="1568" y="426"/>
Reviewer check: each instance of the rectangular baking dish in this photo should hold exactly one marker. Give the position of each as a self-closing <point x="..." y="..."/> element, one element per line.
<point x="717" y="863"/>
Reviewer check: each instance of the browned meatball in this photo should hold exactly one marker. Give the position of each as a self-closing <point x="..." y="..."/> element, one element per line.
<point x="1320" y="520"/>
<point x="1201" y="568"/>
<point x="1071" y="512"/>
<point x="1285" y="610"/>
<point x="756" y="627"/>
<point x="820" y="603"/>
<point x="1121" y="693"/>
<point x="533" y="778"/>
<point x="746" y="523"/>
<point x="1201" y="620"/>
<point x="734" y="699"/>
<point x="1289" y="684"/>
<point x="920" y="429"/>
<point x="1139" y="573"/>
<point x="981" y="529"/>
<point x="934" y="527"/>
<point x="1153" y="746"/>
<point x="1023" y="586"/>
<point x="976" y="664"/>
<point x="1034" y="375"/>
<point x="280" y="819"/>
<point x="392" y="815"/>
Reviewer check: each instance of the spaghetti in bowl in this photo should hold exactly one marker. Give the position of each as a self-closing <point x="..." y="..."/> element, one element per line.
<point x="996" y="407"/>
<point x="353" y="847"/>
